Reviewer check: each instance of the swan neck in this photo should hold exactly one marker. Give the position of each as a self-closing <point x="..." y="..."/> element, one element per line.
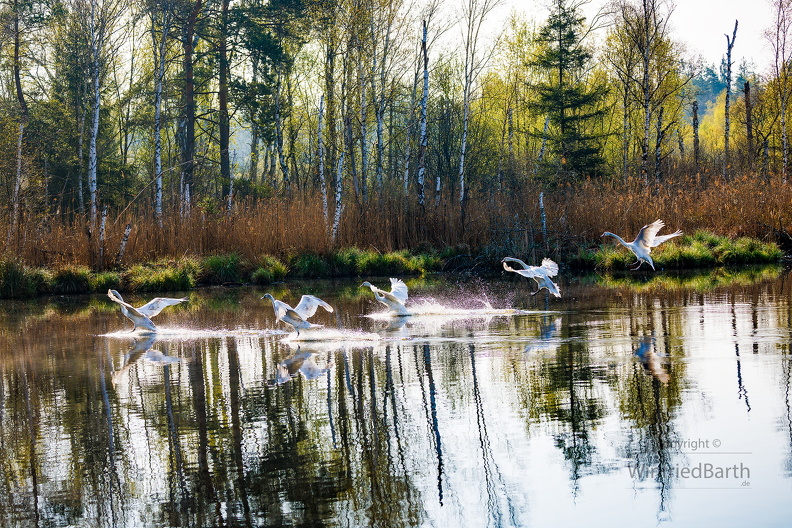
<point x="617" y="237"/>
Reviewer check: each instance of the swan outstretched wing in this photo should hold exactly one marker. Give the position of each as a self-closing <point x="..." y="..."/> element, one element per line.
<point x="646" y="235"/>
<point x="115" y="296"/>
<point x="132" y="313"/>
<point x="156" y="305"/>
<point x="308" y="306"/>
<point x="660" y="239"/>
<point x="281" y="308"/>
<point x="399" y="290"/>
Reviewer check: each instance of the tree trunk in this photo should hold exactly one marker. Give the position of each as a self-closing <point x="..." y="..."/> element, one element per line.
<point x="186" y="129"/>
<point x="279" y="132"/>
<point x="424" y="136"/>
<point x="339" y="195"/>
<point x="696" y="145"/>
<point x="749" y="124"/>
<point x="222" y="96"/>
<point x="727" y="117"/>
<point x="161" y="48"/>
<point x="94" y="134"/>
<point x="321" y="156"/>
<point x="658" y="154"/>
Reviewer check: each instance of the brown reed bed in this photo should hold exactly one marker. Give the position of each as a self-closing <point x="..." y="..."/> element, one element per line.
<point x="576" y="216"/>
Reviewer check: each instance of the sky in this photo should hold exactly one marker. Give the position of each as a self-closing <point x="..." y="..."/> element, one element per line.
<point x="700" y="24"/>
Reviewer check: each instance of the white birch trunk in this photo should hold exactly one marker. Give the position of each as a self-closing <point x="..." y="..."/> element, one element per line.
<point x="158" y="88"/>
<point x="321" y="155"/>
<point x="339" y="193"/>
<point x="424" y="136"/>
<point x="123" y="245"/>
<point x="364" y="150"/>
<point x="15" y="198"/>
<point x="94" y="134"/>
<point x="279" y="133"/>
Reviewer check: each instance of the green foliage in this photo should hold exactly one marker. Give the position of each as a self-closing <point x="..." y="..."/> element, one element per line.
<point x="222" y="269"/>
<point x="309" y="265"/>
<point x="162" y="276"/>
<point x="103" y="281"/>
<point x="18" y="280"/>
<point x="700" y="250"/>
<point x="71" y="279"/>
<point x="270" y="270"/>
<point x="566" y="93"/>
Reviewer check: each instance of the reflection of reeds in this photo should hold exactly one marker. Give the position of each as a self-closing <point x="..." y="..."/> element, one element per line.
<point x="699" y="281"/>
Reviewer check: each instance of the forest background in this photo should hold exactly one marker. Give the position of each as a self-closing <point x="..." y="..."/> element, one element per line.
<point x="139" y="129"/>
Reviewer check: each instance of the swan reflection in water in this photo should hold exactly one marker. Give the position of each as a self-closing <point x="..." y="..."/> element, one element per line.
<point x="549" y="337"/>
<point x="650" y="359"/>
<point x="141" y="349"/>
<point x="301" y="362"/>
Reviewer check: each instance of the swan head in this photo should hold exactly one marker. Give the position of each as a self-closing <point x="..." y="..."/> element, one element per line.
<point x="268" y="296"/>
<point x="366" y="284"/>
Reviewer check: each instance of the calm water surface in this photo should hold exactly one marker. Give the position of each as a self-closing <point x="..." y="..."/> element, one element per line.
<point x="657" y="402"/>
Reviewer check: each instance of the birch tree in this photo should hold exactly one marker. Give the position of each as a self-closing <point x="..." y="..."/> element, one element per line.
<point x="780" y="38"/>
<point x="99" y="19"/>
<point x="474" y="14"/>
<point x="161" y="19"/>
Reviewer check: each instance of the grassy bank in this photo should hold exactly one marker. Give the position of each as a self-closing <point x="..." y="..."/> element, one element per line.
<point x="700" y="250"/>
<point x="19" y="280"/>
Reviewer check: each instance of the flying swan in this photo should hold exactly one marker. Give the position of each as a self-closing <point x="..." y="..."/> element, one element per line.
<point x="141" y="317"/>
<point x="647" y="239"/>
<point x="393" y="299"/>
<point x="298" y="316"/>
<point x="541" y="274"/>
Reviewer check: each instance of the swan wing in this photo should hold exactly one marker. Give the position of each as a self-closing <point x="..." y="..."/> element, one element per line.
<point x="132" y="313"/>
<point x="550" y="267"/>
<point x="660" y="239"/>
<point x="531" y="272"/>
<point x="646" y="235"/>
<point x="156" y="305"/>
<point x="399" y="290"/>
<point x="309" y="304"/>
<point x="545" y="282"/>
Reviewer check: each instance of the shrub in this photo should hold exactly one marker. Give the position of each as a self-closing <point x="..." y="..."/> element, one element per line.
<point x="71" y="279"/>
<point x="220" y="269"/>
<point x="162" y="276"/>
<point x="103" y="281"/>
<point x="309" y="265"/>
<point x="271" y="270"/>
<point x="17" y="280"/>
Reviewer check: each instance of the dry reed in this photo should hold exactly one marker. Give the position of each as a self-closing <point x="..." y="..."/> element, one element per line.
<point x="576" y="215"/>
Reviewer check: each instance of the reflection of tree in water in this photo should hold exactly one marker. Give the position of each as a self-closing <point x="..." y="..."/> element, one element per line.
<point x="564" y="390"/>
<point x="649" y="392"/>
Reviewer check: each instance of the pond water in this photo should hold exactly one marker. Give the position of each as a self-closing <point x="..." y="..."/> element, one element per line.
<point x="657" y="401"/>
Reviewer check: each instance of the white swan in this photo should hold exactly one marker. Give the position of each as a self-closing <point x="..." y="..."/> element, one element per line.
<point x="141" y="317"/>
<point x="393" y="299"/>
<point x="541" y="274"/>
<point x="298" y="316"/>
<point x="647" y="239"/>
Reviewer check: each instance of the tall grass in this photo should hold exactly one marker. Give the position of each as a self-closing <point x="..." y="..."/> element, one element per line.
<point x="286" y="227"/>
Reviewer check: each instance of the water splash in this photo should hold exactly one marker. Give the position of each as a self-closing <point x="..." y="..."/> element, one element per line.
<point x="331" y="334"/>
<point x="193" y="333"/>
